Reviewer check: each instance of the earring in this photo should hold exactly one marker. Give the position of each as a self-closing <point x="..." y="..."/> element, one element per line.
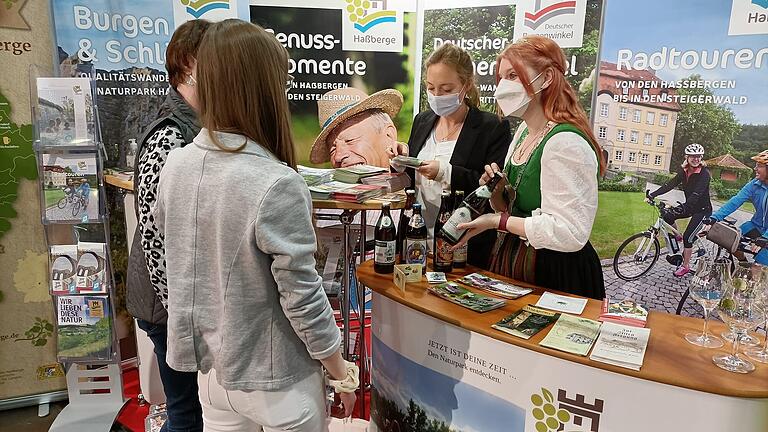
<point x="190" y="81"/>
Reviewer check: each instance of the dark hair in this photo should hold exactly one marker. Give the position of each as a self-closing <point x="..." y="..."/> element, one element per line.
<point x="182" y="49"/>
<point x="234" y="52"/>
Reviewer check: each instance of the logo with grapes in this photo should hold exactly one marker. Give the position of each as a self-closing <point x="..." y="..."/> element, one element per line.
<point x="548" y="417"/>
<point x="367" y="14"/>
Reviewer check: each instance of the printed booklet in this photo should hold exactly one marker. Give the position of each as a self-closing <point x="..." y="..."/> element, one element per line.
<point x="621" y="345"/>
<point x="463" y="297"/>
<point x="527" y="321"/>
<point x="70" y="187"/>
<point x="91" y="268"/>
<point x="626" y="311"/>
<point x="65" y="107"/>
<point x="494" y="286"/>
<point x="84" y="327"/>
<point x="63" y="268"/>
<point x="572" y="334"/>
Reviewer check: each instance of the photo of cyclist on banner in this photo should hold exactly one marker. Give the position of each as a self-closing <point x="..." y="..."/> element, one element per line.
<point x="756" y="192"/>
<point x="693" y="177"/>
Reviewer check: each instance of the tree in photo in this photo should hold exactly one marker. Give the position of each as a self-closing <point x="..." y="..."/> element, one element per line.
<point x="708" y="124"/>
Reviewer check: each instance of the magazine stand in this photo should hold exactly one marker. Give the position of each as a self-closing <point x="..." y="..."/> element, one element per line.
<point x="70" y="159"/>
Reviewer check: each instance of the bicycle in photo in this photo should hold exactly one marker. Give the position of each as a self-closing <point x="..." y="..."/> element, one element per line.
<point x="79" y="201"/>
<point x="746" y="245"/>
<point x="70" y="196"/>
<point x="639" y="253"/>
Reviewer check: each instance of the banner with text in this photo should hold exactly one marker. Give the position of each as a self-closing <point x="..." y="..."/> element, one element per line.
<point x="432" y="376"/>
<point x="337" y="44"/>
<point x="485" y="27"/>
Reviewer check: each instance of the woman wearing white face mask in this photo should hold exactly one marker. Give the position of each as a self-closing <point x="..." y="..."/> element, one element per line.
<point x="454" y="139"/>
<point x="546" y="208"/>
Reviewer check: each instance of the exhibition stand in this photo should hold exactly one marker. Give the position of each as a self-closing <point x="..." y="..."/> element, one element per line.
<point x="447" y="362"/>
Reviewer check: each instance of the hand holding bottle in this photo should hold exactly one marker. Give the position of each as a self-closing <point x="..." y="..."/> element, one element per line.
<point x="477" y="226"/>
<point x="498" y="201"/>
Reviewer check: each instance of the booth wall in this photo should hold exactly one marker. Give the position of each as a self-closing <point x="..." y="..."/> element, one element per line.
<point x="27" y="349"/>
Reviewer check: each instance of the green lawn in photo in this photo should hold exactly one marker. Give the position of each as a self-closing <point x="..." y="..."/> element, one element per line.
<point x="619" y="215"/>
<point x="52" y="196"/>
<point x="747" y="206"/>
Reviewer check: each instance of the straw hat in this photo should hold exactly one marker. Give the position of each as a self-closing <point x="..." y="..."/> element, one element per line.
<point x="338" y="105"/>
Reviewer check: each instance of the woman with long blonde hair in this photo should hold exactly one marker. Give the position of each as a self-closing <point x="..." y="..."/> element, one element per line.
<point x="547" y="205"/>
<point x="245" y="304"/>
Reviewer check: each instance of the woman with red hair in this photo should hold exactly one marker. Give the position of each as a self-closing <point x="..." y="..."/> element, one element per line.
<point x="547" y="205"/>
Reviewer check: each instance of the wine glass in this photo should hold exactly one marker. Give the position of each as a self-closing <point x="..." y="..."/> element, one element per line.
<point x="761" y="302"/>
<point x="739" y="309"/>
<point x="707" y="286"/>
<point x="754" y="271"/>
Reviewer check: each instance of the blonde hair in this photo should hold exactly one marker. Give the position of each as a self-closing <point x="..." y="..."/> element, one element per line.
<point x="241" y="76"/>
<point x="458" y="59"/>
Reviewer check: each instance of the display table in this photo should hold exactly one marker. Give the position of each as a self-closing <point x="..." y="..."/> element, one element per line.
<point x="434" y="361"/>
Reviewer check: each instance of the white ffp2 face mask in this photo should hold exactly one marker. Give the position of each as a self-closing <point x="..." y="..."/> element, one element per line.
<point x="445" y="104"/>
<point x="512" y="97"/>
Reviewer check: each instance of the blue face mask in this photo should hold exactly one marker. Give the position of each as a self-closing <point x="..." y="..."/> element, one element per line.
<point x="444" y="105"/>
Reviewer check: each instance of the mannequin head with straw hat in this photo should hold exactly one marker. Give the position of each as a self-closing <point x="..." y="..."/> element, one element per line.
<point x="357" y="128"/>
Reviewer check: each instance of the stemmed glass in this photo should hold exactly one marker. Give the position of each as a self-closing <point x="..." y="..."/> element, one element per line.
<point x="747" y="340"/>
<point x="707" y="286"/>
<point x="738" y="308"/>
<point x="761" y="302"/>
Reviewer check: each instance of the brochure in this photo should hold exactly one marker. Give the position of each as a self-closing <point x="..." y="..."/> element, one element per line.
<point x="561" y="303"/>
<point x="91" y="268"/>
<point x="463" y="297"/>
<point x="621" y="345"/>
<point x="572" y="334"/>
<point x="626" y="311"/>
<point x="63" y="266"/>
<point x="84" y="327"/>
<point x="70" y="187"/>
<point x="527" y="321"/>
<point x="65" y="107"/>
<point x="354" y="173"/>
<point x="408" y="161"/>
<point x="436" y="277"/>
<point x="494" y="286"/>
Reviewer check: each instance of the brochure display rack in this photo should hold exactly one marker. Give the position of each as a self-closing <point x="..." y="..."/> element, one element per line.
<point x="70" y="161"/>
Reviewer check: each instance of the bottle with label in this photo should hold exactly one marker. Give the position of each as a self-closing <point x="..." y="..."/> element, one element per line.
<point x="415" y="247"/>
<point x="385" y="242"/>
<point x="442" y="255"/>
<point x="460" y="254"/>
<point x="405" y="217"/>
<point x="474" y="205"/>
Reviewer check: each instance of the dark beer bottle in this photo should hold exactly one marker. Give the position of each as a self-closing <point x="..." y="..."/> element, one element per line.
<point x="415" y="248"/>
<point x="474" y="205"/>
<point x="405" y="217"/>
<point x="385" y="242"/>
<point x="442" y="254"/>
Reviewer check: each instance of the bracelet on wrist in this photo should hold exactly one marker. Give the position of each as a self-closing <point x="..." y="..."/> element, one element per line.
<point x="350" y="383"/>
<point x="504" y="216"/>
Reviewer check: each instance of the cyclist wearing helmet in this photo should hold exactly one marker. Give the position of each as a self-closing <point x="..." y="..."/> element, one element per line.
<point x="756" y="192"/>
<point x="694" y="178"/>
<point x="84" y="190"/>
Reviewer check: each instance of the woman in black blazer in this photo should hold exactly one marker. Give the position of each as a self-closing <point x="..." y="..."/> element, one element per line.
<point x="455" y="139"/>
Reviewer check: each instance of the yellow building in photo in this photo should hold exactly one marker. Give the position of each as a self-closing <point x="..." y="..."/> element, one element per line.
<point x="634" y="119"/>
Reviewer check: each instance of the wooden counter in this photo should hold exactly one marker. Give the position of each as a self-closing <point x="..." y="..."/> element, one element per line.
<point x="669" y="358"/>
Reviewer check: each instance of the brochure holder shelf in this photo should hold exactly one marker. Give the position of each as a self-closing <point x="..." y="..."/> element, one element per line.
<point x="70" y="159"/>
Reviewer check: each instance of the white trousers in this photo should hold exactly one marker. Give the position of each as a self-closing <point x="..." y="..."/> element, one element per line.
<point x="297" y="408"/>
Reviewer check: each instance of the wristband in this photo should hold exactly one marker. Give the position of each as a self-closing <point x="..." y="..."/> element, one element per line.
<point x="350" y="383"/>
<point x="503" y="222"/>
